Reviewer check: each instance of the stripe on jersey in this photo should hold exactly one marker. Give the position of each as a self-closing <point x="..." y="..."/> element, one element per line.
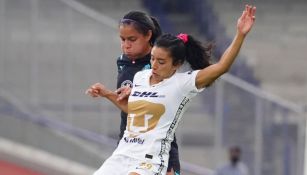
<point x="170" y="132"/>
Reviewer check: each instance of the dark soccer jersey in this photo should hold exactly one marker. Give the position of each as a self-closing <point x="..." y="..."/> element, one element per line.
<point x="126" y="71"/>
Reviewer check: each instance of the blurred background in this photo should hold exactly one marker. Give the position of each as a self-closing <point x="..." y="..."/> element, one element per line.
<point x="51" y="51"/>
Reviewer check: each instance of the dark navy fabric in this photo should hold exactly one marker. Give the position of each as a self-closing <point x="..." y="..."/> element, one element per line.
<point x="126" y="71"/>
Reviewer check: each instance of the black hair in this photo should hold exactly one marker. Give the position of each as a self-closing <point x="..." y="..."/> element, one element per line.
<point x="192" y="51"/>
<point x="143" y="23"/>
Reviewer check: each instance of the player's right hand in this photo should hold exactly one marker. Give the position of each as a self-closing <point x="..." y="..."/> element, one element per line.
<point x="97" y="90"/>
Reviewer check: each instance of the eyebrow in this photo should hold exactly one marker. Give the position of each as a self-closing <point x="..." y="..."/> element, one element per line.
<point x="160" y="59"/>
<point x="129" y="37"/>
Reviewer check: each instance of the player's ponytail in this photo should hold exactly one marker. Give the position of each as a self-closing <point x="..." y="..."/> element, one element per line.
<point x="156" y="31"/>
<point x="184" y="47"/>
<point x="197" y="55"/>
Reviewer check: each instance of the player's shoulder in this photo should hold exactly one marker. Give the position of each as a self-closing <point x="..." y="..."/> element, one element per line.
<point x="142" y="74"/>
<point x="185" y="74"/>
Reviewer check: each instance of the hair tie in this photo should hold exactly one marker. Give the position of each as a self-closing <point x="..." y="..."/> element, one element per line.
<point x="183" y="37"/>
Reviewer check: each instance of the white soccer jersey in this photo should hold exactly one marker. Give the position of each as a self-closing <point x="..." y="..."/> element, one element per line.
<point x="153" y="115"/>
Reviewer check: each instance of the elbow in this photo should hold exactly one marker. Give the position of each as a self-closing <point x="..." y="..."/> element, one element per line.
<point x="222" y="69"/>
<point x="225" y="70"/>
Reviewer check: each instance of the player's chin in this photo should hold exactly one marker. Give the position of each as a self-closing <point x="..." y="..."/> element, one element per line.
<point x="155" y="75"/>
<point x="130" y="55"/>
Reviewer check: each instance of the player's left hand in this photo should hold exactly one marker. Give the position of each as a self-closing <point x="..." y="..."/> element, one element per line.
<point x="123" y="92"/>
<point x="247" y="19"/>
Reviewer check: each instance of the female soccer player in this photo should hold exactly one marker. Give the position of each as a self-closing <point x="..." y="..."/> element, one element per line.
<point x="138" y="32"/>
<point x="159" y="97"/>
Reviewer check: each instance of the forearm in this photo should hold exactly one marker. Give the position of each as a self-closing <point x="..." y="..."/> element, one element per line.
<point x="209" y="74"/>
<point x="231" y="52"/>
<point x="99" y="90"/>
<point x="121" y="104"/>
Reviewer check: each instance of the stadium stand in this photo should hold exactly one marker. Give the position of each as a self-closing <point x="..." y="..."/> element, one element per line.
<point x="280" y="37"/>
<point x="52" y="50"/>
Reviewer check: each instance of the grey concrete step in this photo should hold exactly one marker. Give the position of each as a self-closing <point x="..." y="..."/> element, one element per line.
<point x="184" y="23"/>
<point x="276" y="47"/>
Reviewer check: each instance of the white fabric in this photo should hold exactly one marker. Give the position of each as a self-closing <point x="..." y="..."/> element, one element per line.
<point x="123" y="165"/>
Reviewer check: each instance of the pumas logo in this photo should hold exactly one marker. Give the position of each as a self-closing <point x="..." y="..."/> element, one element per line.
<point x="139" y="121"/>
<point x="146" y="94"/>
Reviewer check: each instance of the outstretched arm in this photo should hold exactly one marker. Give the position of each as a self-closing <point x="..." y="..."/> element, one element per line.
<point x="99" y="90"/>
<point x="209" y="74"/>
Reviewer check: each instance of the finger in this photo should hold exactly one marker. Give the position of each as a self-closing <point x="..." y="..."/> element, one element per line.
<point x="97" y="84"/>
<point x="128" y="92"/>
<point x="91" y="90"/>
<point x="244" y="14"/>
<point x="91" y="93"/>
<point x="94" y="95"/>
<point x="87" y="91"/>
<point x="97" y="88"/>
<point x="120" y="97"/>
<point x="253" y="11"/>
<point x="119" y="90"/>
<point x="123" y="95"/>
<point x="94" y="91"/>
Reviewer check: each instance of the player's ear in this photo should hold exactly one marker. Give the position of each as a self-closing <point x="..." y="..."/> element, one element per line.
<point x="148" y="35"/>
<point x="176" y="66"/>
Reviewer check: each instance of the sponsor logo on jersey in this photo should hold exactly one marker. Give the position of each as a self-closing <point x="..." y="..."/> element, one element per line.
<point x="134" y="140"/>
<point x="147" y="94"/>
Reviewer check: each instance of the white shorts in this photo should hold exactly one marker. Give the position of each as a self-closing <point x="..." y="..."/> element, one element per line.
<point x="123" y="165"/>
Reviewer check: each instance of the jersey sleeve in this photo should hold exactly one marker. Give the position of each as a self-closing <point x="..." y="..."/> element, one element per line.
<point x="187" y="83"/>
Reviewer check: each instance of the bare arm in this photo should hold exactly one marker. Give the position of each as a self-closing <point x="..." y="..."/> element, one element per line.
<point x="209" y="74"/>
<point x="99" y="90"/>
